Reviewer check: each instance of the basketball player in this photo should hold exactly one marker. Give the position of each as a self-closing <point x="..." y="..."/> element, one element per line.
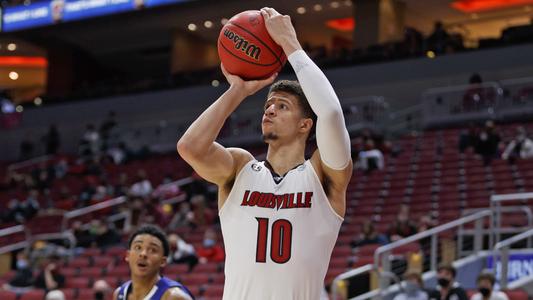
<point x="280" y="217"/>
<point x="147" y="253"/>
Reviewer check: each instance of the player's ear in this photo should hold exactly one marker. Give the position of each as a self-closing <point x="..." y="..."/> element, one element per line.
<point x="127" y="257"/>
<point x="163" y="261"/>
<point x="306" y="124"/>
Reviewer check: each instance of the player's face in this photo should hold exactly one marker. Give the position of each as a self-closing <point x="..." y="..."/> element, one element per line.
<point x="146" y="256"/>
<point x="282" y="117"/>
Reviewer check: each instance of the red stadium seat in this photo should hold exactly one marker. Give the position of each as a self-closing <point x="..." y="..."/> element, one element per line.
<point x="77" y="282"/>
<point x="214" y="290"/>
<point x="119" y="271"/>
<point x="69" y="293"/>
<point x="91" y="272"/>
<point x="116" y="251"/>
<point x="85" y="294"/>
<point x="516" y="294"/>
<point x="102" y="261"/>
<point x="32" y="295"/>
<point x="79" y="262"/>
<point x="7" y="295"/>
<point x="92" y="252"/>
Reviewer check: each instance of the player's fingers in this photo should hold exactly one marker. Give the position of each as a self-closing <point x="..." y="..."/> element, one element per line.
<point x="265" y="12"/>
<point x="224" y="71"/>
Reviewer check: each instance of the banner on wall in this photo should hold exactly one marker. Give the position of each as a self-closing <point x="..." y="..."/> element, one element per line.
<point x="520" y="265"/>
<point x="56" y="11"/>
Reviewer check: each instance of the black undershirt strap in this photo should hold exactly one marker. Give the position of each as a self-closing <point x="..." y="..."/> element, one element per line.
<point x="278" y="178"/>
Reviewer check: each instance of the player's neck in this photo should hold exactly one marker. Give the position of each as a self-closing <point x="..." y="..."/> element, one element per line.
<point x="284" y="158"/>
<point x="142" y="286"/>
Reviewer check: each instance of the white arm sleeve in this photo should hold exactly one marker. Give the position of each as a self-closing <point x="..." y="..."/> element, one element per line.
<point x="331" y="135"/>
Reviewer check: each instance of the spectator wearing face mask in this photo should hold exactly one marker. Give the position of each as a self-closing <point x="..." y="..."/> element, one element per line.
<point x="412" y="288"/>
<point x="23" y="274"/>
<point x="210" y="251"/>
<point x="485" y="284"/>
<point x="447" y="288"/>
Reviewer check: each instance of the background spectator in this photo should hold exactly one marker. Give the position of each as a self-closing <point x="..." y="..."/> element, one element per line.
<point x="210" y="251"/>
<point x="369" y="235"/>
<point x="402" y="227"/>
<point x="521" y="147"/>
<point x="412" y="288"/>
<point x="142" y="186"/>
<point x="50" y="277"/>
<point x="52" y="140"/>
<point x="488" y="142"/>
<point x="468" y="138"/>
<point x="447" y="288"/>
<point x="55" y="295"/>
<point x="438" y="39"/>
<point x="182" y="252"/>
<point x="485" y="285"/>
<point x="371" y="158"/>
<point x="23" y="273"/>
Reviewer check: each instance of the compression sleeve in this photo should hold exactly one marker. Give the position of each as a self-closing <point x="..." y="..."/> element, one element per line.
<point x="331" y="134"/>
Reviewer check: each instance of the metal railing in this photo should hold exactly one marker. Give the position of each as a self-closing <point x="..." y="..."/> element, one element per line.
<point x="367" y="111"/>
<point x="490" y="100"/>
<point x="446" y="105"/>
<point x="382" y="264"/>
<point x="501" y="249"/>
<point x="496" y="207"/>
<point x="381" y="255"/>
<point x="518" y="95"/>
<point x="90" y="209"/>
<point x="491" y="230"/>
<point x="29" y="162"/>
<point x="17" y="245"/>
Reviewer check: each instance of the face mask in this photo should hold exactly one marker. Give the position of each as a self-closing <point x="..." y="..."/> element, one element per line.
<point x="443" y="282"/>
<point x="99" y="296"/>
<point x="209" y="243"/>
<point x="22" y="264"/>
<point x="410" y="288"/>
<point x="484" y="291"/>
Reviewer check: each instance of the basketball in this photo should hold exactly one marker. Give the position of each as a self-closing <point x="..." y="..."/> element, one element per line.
<point x="246" y="49"/>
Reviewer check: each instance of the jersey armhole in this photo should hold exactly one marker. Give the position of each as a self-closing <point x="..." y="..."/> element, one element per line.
<point x="315" y="175"/>
<point x="221" y="210"/>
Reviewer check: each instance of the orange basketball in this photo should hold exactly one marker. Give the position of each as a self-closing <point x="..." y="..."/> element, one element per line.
<point x="247" y="50"/>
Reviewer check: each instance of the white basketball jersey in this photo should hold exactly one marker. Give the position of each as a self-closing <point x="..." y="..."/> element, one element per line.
<point x="278" y="237"/>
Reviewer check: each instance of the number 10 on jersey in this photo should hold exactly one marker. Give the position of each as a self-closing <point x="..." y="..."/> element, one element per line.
<point x="280" y="241"/>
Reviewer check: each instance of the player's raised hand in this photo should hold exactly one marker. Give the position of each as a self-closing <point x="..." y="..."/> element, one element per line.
<point x="248" y="87"/>
<point x="281" y="29"/>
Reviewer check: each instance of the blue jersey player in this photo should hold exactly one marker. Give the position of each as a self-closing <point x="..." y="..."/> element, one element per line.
<point x="147" y="253"/>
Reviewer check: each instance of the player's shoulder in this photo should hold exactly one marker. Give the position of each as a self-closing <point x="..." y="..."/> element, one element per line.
<point x="239" y="153"/>
<point x="240" y="157"/>
<point x="176" y="293"/>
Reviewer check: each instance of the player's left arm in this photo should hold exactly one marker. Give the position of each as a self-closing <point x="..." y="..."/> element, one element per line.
<point x="332" y="160"/>
<point x="176" y="294"/>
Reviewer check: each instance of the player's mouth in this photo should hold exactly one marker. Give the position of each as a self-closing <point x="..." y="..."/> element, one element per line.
<point x="267" y="121"/>
<point x="142" y="265"/>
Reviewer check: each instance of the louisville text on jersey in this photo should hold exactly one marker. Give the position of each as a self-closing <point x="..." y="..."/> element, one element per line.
<point x="270" y="200"/>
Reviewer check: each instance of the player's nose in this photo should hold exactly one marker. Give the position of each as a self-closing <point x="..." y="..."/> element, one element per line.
<point x="270" y="110"/>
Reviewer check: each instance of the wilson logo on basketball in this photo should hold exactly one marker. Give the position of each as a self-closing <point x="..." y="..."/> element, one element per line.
<point x="250" y="49"/>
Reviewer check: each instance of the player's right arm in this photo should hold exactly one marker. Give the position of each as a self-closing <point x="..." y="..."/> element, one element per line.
<point x="197" y="146"/>
<point x="115" y="293"/>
